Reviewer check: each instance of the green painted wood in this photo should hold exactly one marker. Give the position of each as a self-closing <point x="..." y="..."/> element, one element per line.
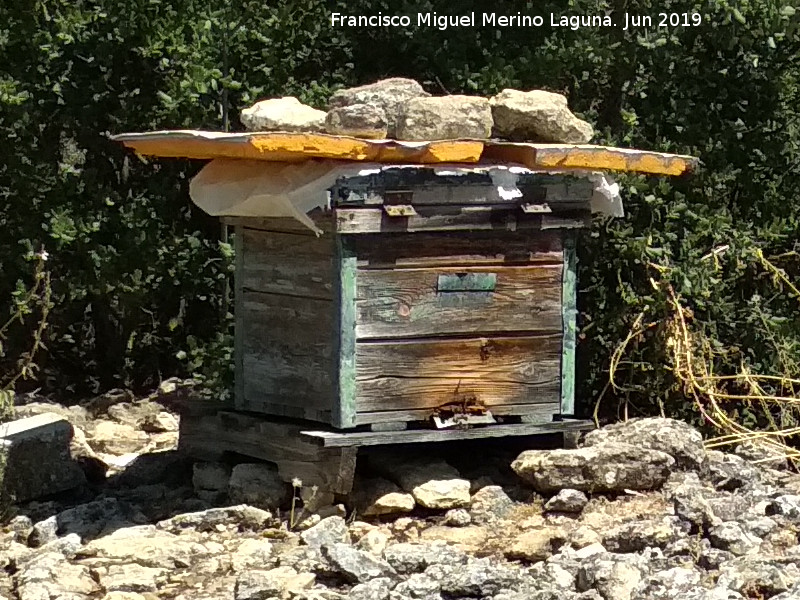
<point x="238" y="311"/>
<point x="569" y="321"/>
<point x="345" y="411"/>
<point x="467" y="282"/>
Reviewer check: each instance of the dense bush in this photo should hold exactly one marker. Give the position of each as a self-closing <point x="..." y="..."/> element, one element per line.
<point x="139" y="274"/>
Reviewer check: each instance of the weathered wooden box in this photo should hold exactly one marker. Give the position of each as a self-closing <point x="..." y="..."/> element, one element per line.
<point x="429" y="293"/>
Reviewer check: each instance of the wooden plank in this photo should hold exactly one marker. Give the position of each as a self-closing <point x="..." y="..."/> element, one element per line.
<point x="431" y="372"/>
<point x="564" y="191"/>
<point x="287" y="354"/>
<point x="569" y="308"/>
<point x="281" y="263"/>
<point x="330" y="439"/>
<point x="271" y="440"/>
<point x="346" y="330"/>
<point x="405" y="303"/>
<point x="448" y="218"/>
<point x="279" y="146"/>
<point x="380" y="251"/>
<point x="542" y="411"/>
<point x="322" y="218"/>
<point x="238" y="323"/>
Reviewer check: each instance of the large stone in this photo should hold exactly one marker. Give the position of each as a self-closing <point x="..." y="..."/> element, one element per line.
<point x="432" y="484"/>
<point x="490" y="503"/>
<point x="445" y="118"/>
<point x="49" y="575"/>
<point x="36" y="451"/>
<point x="730" y="536"/>
<point x="258" y="484"/>
<point x="282" y="114"/>
<point x="387" y="94"/>
<point x="535" y="545"/>
<point x="358" y="120"/>
<point x="610" y="467"/>
<point x="275" y="583"/>
<point x="537" y="116"/>
<point x="754" y="573"/>
<point x="616" y="577"/>
<point x="357" y="566"/>
<point x="635" y="536"/>
<point x="242" y="515"/>
<point x="676" y="438"/>
<point x="471" y="538"/>
<point x="116" y="438"/>
<point x="567" y="501"/>
<point x="376" y="497"/>
<point x="479" y="578"/>
<point x="147" y="546"/>
<point x="129" y="578"/>
<point x="331" y="530"/>
<point x="407" y="558"/>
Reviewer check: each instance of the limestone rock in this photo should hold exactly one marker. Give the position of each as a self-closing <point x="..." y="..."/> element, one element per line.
<point x="537" y="116"/>
<point x="282" y="114"/>
<point x="635" y="536"/>
<point x="160" y="422"/>
<point x="614" y="576"/>
<point x="357" y="120"/>
<point x="730" y="472"/>
<point x="258" y="484"/>
<point x="278" y="582"/>
<point x="490" y="503"/>
<point x="252" y="553"/>
<point x="332" y="530"/>
<point x="148" y="546"/>
<point x="387" y="94"/>
<point x="603" y="468"/>
<point x="116" y="438"/>
<point x="432" y="484"/>
<point x="468" y="539"/>
<point x="49" y="575"/>
<point x="356" y="565"/>
<point x="374" y="589"/>
<point x="445" y="118"/>
<point x="242" y="515"/>
<point x="786" y="505"/>
<point x="377" y="497"/>
<point x="457" y="517"/>
<point x="676" y="438"/>
<point x="752" y="572"/>
<point x="407" y="558"/>
<point x="478" y="578"/>
<point x="534" y="545"/>
<point x="731" y="537"/>
<point x="129" y="578"/>
<point x="374" y="542"/>
<point x="36" y="454"/>
<point x="43" y="532"/>
<point x="567" y="501"/>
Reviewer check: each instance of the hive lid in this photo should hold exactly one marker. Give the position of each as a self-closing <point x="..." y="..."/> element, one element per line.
<point x="297" y="147"/>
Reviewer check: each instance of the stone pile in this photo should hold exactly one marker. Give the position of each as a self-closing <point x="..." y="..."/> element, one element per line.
<point x="598" y="522"/>
<point x="401" y="109"/>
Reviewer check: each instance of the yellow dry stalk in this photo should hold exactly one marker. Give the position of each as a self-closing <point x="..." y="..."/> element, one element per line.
<point x="693" y="364"/>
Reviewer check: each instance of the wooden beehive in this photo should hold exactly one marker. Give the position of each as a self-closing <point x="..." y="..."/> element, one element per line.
<point x="426" y="295"/>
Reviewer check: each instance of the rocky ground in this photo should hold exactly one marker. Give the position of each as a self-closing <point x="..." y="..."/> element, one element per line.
<point x="638" y="511"/>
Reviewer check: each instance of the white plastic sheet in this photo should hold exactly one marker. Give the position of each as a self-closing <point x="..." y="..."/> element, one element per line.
<point x="254" y="188"/>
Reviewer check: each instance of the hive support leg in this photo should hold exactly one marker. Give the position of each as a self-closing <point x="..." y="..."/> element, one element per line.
<point x="329" y="470"/>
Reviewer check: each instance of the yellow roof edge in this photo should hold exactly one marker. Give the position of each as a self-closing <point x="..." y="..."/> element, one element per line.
<point x="296" y="147"/>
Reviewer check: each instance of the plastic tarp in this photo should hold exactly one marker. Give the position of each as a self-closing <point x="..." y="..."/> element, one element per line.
<point x="254" y="188"/>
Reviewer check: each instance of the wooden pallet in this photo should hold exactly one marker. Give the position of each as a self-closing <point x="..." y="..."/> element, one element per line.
<point x="323" y="457"/>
